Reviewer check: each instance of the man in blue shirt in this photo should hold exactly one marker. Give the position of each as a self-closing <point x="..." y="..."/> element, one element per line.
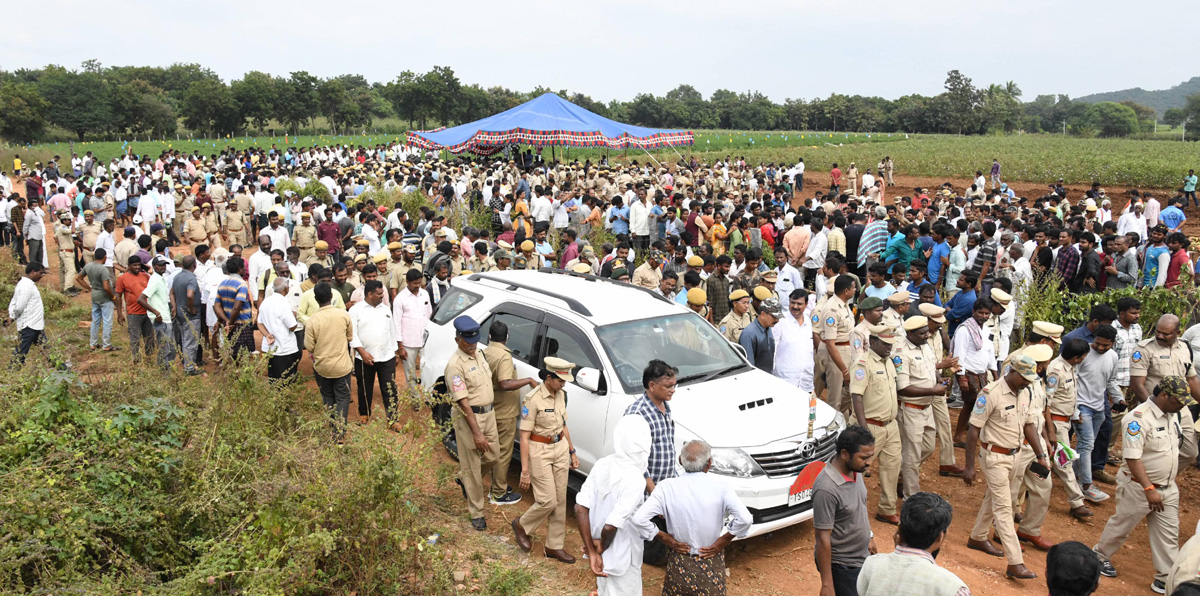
<point x="1172" y="216"/>
<point x="940" y="249"/>
<point x="959" y="307"/>
<point x="916" y="275"/>
<point x="619" y="217"/>
<point x="1101" y="314"/>
<point x="758" y="340"/>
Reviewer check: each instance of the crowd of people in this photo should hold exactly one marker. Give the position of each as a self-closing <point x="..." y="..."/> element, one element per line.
<point x="895" y="307"/>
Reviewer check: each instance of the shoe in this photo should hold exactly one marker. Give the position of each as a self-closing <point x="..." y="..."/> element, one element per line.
<point x="1107" y="569"/>
<point x="560" y="555"/>
<point x="523" y="540"/>
<point x="508" y="498"/>
<point x="1081" y="512"/>
<point x="1019" y="572"/>
<point x="1114" y="460"/>
<point x="960" y="444"/>
<point x="479" y="524"/>
<point x="1035" y="541"/>
<point x="462" y="486"/>
<point x="1095" y="495"/>
<point x="984" y="546"/>
<point x="888" y="519"/>
<point x="1159" y="586"/>
<point x="954" y="404"/>
<point x="950" y="471"/>
<point x="1104" y="477"/>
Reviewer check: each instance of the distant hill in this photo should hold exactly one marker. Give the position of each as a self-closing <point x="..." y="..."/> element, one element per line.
<point x="1160" y="100"/>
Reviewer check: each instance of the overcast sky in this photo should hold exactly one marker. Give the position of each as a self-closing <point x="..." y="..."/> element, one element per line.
<point x="614" y="49"/>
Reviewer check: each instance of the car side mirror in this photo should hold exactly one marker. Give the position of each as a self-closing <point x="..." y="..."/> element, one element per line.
<point x="588" y="378"/>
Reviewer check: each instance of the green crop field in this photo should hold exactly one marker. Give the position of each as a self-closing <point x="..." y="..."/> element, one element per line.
<point x="1028" y="158"/>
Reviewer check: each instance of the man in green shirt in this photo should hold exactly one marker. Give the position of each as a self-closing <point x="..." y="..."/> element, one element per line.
<point x="156" y="299"/>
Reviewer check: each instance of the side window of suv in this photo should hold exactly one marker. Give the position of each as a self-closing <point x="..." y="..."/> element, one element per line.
<point x="453" y="304"/>
<point x="521" y="333"/>
<point x="566" y="342"/>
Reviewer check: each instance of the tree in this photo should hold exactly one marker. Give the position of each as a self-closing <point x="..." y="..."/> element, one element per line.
<point x="405" y="95"/>
<point x="209" y="107"/>
<point x="964" y="101"/>
<point x="1110" y="119"/>
<point x="296" y="100"/>
<point x="79" y="101"/>
<point x="439" y="93"/>
<point x="256" y="94"/>
<point x="140" y="108"/>
<point x="646" y="110"/>
<point x="834" y="109"/>
<point x="1146" y="116"/>
<point x="1174" y="116"/>
<point x="23" y="112"/>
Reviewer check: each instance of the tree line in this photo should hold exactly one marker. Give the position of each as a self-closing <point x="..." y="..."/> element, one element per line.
<point x="160" y="102"/>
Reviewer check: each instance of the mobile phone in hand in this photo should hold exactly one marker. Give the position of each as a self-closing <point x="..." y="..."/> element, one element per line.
<point x="1039" y="469"/>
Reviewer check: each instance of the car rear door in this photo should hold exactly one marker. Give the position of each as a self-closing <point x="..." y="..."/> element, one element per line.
<point x="587" y="412"/>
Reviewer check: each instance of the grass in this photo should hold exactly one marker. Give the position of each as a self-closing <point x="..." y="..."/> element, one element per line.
<point x="1026" y="158"/>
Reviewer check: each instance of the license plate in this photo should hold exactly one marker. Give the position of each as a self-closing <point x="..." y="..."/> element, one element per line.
<point x="801" y="490"/>
<point x="800" y="497"/>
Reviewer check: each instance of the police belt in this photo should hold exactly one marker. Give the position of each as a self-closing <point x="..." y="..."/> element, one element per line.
<point x="482" y="409"/>
<point x="877" y="422"/>
<point x="841" y="343"/>
<point x="998" y="449"/>
<point x="545" y="439"/>
<point x="1058" y="418"/>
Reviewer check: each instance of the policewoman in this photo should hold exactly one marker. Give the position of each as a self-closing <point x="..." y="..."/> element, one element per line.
<point x="546" y="457"/>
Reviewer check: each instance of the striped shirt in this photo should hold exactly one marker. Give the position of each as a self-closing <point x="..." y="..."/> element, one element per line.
<point x="1127" y="341"/>
<point x="231" y="291"/>
<point x="662" y="437"/>
<point x="874" y="240"/>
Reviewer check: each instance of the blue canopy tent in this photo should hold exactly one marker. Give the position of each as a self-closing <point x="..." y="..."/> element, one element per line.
<point x="548" y="120"/>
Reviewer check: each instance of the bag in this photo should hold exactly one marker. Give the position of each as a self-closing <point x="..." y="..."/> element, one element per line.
<point x="1063" y="455"/>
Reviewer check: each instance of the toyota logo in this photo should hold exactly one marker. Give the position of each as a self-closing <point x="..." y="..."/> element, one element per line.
<point x="807" y="450"/>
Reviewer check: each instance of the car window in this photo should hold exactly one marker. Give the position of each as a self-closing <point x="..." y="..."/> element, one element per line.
<point x="684" y="341"/>
<point x="568" y="343"/>
<point x="521" y="333"/>
<point x="453" y="304"/>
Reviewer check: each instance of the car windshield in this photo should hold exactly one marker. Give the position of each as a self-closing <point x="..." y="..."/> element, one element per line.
<point x="684" y="341"/>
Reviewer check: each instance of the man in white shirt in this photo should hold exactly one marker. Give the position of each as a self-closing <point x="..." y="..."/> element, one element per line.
<point x="794" y="352"/>
<point x="26" y="310"/>
<point x="280" y="238"/>
<point x="258" y="263"/>
<point x="639" y="221"/>
<point x="277" y="325"/>
<point x="375" y="348"/>
<point x="695" y="506"/>
<point x="541" y="208"/>
<point x="814" y="258"/>
<point x="912" y="569"/>
<point x="605" y="505"/>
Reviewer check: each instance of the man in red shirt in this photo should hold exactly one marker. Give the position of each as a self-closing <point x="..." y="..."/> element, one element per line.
<point x="130" y="286"/>
<point x="836" y="175"/>
<point x="1178" y="244"/>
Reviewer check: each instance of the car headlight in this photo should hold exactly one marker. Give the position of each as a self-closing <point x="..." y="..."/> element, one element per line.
<point x="836" y="425"/>
<point x="734" y="462"/>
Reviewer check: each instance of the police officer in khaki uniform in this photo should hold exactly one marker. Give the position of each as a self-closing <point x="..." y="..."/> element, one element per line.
<point x="738" y="318"/>
<point x="1026" y="480"/>
<point x="235" y="225"/>
<point x="506" y="387"/>
<point x="871" y="310"/>
<point x="321" y="254"/>
<point x="64" y="235"/>
<point x="547" y="455"/>
<point x="304" y="236"/>
<point x="533" y="260"/>
<point x="195" y="229"/>
<point x="898" y="305"/>
<point x="1157" y="433"/>
<point x="1061" y="395"/>
<point x="999" y="420"/>
<point x="649" y="275"/>
<point x="941" y="413"/>
<point x="468" y="378"/>
<point x="873" y="395"/>
<point x="89" y="232"/>
<point x="917" y="382"/>
<point x="833" y="325"/>
<point x="1161" y="356"/>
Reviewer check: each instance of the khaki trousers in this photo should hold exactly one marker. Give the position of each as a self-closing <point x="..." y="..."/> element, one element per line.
<point x="473" y="465"/>
<point x="89" y="255"/>
<point x="1066" y="476"/>
<point x="506" y="429"/>
<point x="66" y="268"/>
<point x="917" y="433"/>
<point x="941" y="417"/>
<point x="887" y="463"/>
<point x="997" y="470"/>
<point x="1132" y="507"/>
<point x="239" y="237"/>
<point x="833" y="381"/>
<point x="549" y="465"/>
<point x="1037" y="504"/>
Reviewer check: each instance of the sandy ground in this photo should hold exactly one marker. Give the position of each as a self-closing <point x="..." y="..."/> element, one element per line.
<point x="782" y="562"/>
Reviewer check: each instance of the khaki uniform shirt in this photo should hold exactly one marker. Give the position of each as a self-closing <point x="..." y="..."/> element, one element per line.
<point x="836" y="321"/>
<point x="1001" y="415"/>
<point x="874" y="378"/>
<point x="235" y="221"/>
<point x="245" y="203"/>
<point x="732" y="325"/>
<point x="399" y="273"/>
<point x="470" y="378"/>
<point x="915" y="367"/>
<point x="1060" y="385"/>
<point x="508" y="403"/>
<point x="304" y="237"/>
<point x="1151" y="360"/>
<point x="544" y="413"/>
<point x="89" y="233"/>
<point x="533" y="261"/>
<point x="64" y="236"/>
<point x="647" y="277"/>
<point x="195" y="229"/>
<point x="860" y="339"/>
<point x="892" y="319"/>
<point x="1155" y="437"/>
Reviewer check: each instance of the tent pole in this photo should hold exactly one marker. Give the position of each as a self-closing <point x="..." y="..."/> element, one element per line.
<point x="651" y="157"/>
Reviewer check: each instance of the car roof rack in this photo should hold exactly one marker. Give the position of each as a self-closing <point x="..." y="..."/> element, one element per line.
<point x="574" y="304"/>
<point x="597" y="278"/>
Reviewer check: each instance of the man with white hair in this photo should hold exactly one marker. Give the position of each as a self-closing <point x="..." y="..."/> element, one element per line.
<point x="277" y="325"/>
<point x="605" y="505"/>
<point x="695" y="506"/>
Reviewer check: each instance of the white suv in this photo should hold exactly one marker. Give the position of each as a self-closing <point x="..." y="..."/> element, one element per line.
<point x="758" y="425"/>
